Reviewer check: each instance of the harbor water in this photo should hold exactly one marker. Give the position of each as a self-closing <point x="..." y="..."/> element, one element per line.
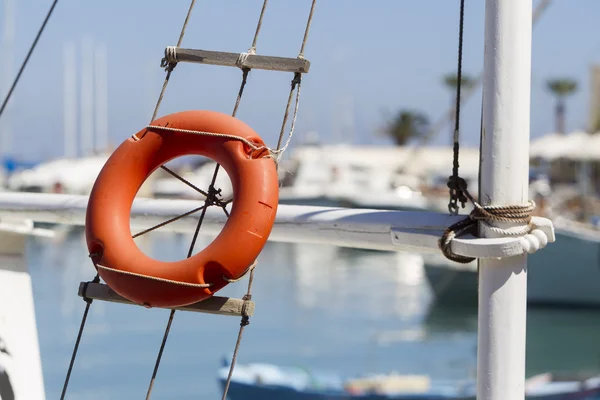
<point x="320" y="307"/>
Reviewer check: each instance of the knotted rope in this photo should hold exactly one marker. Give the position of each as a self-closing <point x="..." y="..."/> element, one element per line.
<point x="516" y="214"/>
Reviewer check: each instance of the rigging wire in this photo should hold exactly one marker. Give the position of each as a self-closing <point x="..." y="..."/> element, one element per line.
<point x="29" y="53"/>
<point x="88" y="302"/>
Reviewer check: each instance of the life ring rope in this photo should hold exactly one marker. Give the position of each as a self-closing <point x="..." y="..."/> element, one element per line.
<point x="197" y="285"/>
<point x="250" y="269"/>
<point x="214" y="134"/>
<point x="154" y="278"/>
<point x="274" y="154"/>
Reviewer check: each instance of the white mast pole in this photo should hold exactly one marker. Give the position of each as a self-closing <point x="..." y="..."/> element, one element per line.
<point x="87" y="96"/>
<point x="70" y="100"/>
<point x="504" y="181"/>
<point x="101" y="89"/>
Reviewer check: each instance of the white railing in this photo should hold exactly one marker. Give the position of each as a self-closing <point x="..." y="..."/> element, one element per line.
<point x="358" y="228"/>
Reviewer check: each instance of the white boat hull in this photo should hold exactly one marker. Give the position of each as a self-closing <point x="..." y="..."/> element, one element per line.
<point x="564" y="274"/>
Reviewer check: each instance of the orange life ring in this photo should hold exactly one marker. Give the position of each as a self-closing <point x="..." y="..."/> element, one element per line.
<point x="143" y="280"/>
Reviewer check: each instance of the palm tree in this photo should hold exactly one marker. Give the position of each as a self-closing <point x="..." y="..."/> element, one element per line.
<point x="451" y="81"/>
<point x="561" y="88"/>
<point x="406" y="125"/>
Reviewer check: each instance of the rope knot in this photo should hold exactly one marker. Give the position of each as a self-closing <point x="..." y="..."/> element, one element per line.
<point x="458" y="193"/>
<point x="516" y="214"/>
<point x="245" y="317"/>
<point x="213" y="196"/>
<point x="297" y="80"/>
<point x="169" y="61"/>
<point x="242" y="57"/>
<point x="85" y="288"/>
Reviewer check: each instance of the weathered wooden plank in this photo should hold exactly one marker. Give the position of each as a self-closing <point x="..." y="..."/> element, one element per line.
<point x="252" y="61"/>
<point x="213" y="305"/>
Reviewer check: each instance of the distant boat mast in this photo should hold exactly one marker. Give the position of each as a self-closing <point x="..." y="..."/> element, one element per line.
<point x="8" y="54"/>
<point x="70" y="100"/>
<point x="87" y="96"/>
<point x="93" y="99"/>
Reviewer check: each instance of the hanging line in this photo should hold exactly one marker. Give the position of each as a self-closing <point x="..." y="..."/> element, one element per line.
<point x="455" y="183"/>
<point x="465" y="95"/>
<point x="88" y="304"/>
<point x="29" y="53"/>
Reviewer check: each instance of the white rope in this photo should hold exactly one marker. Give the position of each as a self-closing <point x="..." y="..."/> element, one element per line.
<point x="171" y="55"/>
<point x="292" y="127"/>
<point x="275" y="154"/>
<point x="153" y="278"/>
<point x="242" y="59"/>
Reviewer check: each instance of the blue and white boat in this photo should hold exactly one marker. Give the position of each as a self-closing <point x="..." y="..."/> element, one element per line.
<point x="260" y="381"/>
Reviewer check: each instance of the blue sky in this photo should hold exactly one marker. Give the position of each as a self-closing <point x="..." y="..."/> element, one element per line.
<point x="368" y="58"/>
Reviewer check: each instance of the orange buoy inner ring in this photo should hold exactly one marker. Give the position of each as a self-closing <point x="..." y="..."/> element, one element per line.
<point x="144" y="280"/>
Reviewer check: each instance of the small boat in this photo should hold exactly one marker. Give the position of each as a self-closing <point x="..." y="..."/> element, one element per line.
<point x="260" y="381"/>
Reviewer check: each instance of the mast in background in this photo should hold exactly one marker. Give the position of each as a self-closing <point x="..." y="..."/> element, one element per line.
<point x="7" y="67"/>
<point x="101" y="91"/>
<point x="93" y="99"/>
<point x="70" y="100"/>
<point x="87" y="96"/>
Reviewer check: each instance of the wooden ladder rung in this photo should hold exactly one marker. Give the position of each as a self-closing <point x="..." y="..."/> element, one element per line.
<point x="212" y="305"/>
<point x="252" y="61"/>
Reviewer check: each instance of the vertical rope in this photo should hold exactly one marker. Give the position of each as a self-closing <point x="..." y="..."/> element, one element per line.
<point x="243" y="323"/>
<point x="169" y="67"/>
<point x="307" y="29"/>
<point x="456" y="193"/>
<point x="296" y="81"/>
<point x="469" y="91"/>
<point x="258" y="26"/>
<point x="79" y="335"/>
<point x="458" y="87"/>
<point x="160" y="353"/>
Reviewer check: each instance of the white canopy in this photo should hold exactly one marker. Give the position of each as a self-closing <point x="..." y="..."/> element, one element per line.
<point x="575" y="145"/>
<point x="591" y="150"/>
